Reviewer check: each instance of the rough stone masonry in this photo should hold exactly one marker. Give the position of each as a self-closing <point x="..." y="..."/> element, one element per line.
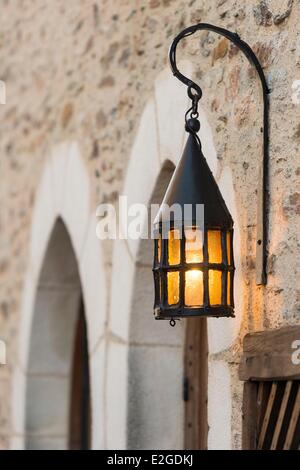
<point x="84" y="70"/>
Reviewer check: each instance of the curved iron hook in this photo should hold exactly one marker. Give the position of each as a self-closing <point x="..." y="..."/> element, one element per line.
<point x="195" y="94"/>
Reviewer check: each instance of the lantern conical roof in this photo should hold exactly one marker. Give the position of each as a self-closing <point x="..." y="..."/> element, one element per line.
<point x="193" y="183"/>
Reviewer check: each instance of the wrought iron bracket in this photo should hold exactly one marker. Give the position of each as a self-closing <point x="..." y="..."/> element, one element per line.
<point x="195" y="94"/>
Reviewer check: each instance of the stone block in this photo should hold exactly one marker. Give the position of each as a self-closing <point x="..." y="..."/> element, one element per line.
<point x="155" y="413"/>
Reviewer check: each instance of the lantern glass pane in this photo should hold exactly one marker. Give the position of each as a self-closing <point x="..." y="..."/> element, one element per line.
<point x="214" y="246"/>
<point x="228" y="247"/>
<point x="173" y="287"/>
<point x="174" y="247"/>
<point x="193" y="288"/>
<point x="215" y="287"/>
<point x="159" y="249"/>
<point x="193" y="245"/>
<point x="228" y="288"/>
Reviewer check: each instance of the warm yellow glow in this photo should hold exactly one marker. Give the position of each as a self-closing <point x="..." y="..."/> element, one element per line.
<point x="214" y="246"/>
<point x="228" y="288"/>
<point x="174" y="247"/>
<point x="193" y="245"/>
<point x="173" y="288"/>
<point x="193" y="288"/>
<point x="159" y="249"/>
<point x="215" y="287"/>
<point x="228" y="247"/>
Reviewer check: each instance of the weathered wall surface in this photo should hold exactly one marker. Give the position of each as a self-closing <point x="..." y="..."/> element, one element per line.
<point x="84" y="70"/>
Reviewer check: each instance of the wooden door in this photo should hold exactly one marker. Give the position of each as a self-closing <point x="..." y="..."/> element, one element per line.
<point x="195" y="384"/>
<point x="80" y="392"/>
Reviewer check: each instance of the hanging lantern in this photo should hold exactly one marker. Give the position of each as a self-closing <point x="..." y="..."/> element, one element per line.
<point x="193" y="260"/>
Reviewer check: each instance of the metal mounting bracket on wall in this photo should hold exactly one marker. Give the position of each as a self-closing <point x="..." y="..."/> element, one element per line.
<point x="195" y="94"/>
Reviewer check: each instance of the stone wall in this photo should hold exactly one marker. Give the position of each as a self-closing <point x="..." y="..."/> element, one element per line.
<point x="84" y="71"/>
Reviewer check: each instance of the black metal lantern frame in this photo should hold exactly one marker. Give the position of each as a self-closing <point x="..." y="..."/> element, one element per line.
<point x="212" y="270"/>
<point x="163" y="308"/>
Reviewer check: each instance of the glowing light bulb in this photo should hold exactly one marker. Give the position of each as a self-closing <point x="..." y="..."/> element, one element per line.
<point x="193" y="287"/>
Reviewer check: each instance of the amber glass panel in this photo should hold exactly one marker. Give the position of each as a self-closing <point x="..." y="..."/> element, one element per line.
<point x="173" y="288"/>
<point x="214" y="246"/>
<point x="159" y="249"/>
<point x="215" y="287"/>
<point x="193" y="288"/>
<point x="160" y="288"/>
<point x="228" y="288"/>
<point x="228" y="247"/>
<point x="193" y="245"/>
<point x="174" y="247"/>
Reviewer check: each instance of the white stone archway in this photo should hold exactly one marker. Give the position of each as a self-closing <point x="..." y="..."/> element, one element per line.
<point x="160" y="138"/>
<point x="50" y="394"/>
<point x="64" y="193"/>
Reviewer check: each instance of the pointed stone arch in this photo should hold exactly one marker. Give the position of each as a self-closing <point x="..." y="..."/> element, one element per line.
<point x="49" y="370"/>
<point x="160" y="138"/>
<point x="63" y="193"/>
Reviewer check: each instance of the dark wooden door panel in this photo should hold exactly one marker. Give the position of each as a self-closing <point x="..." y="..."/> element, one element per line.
<point x="80" y="422"/>
<point x="195" y="384"/>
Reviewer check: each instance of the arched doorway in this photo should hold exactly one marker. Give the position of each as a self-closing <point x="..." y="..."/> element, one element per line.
<point x="168" y="367"/>
<point x="152" y="381"/>
<point x="57" y="386"/>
